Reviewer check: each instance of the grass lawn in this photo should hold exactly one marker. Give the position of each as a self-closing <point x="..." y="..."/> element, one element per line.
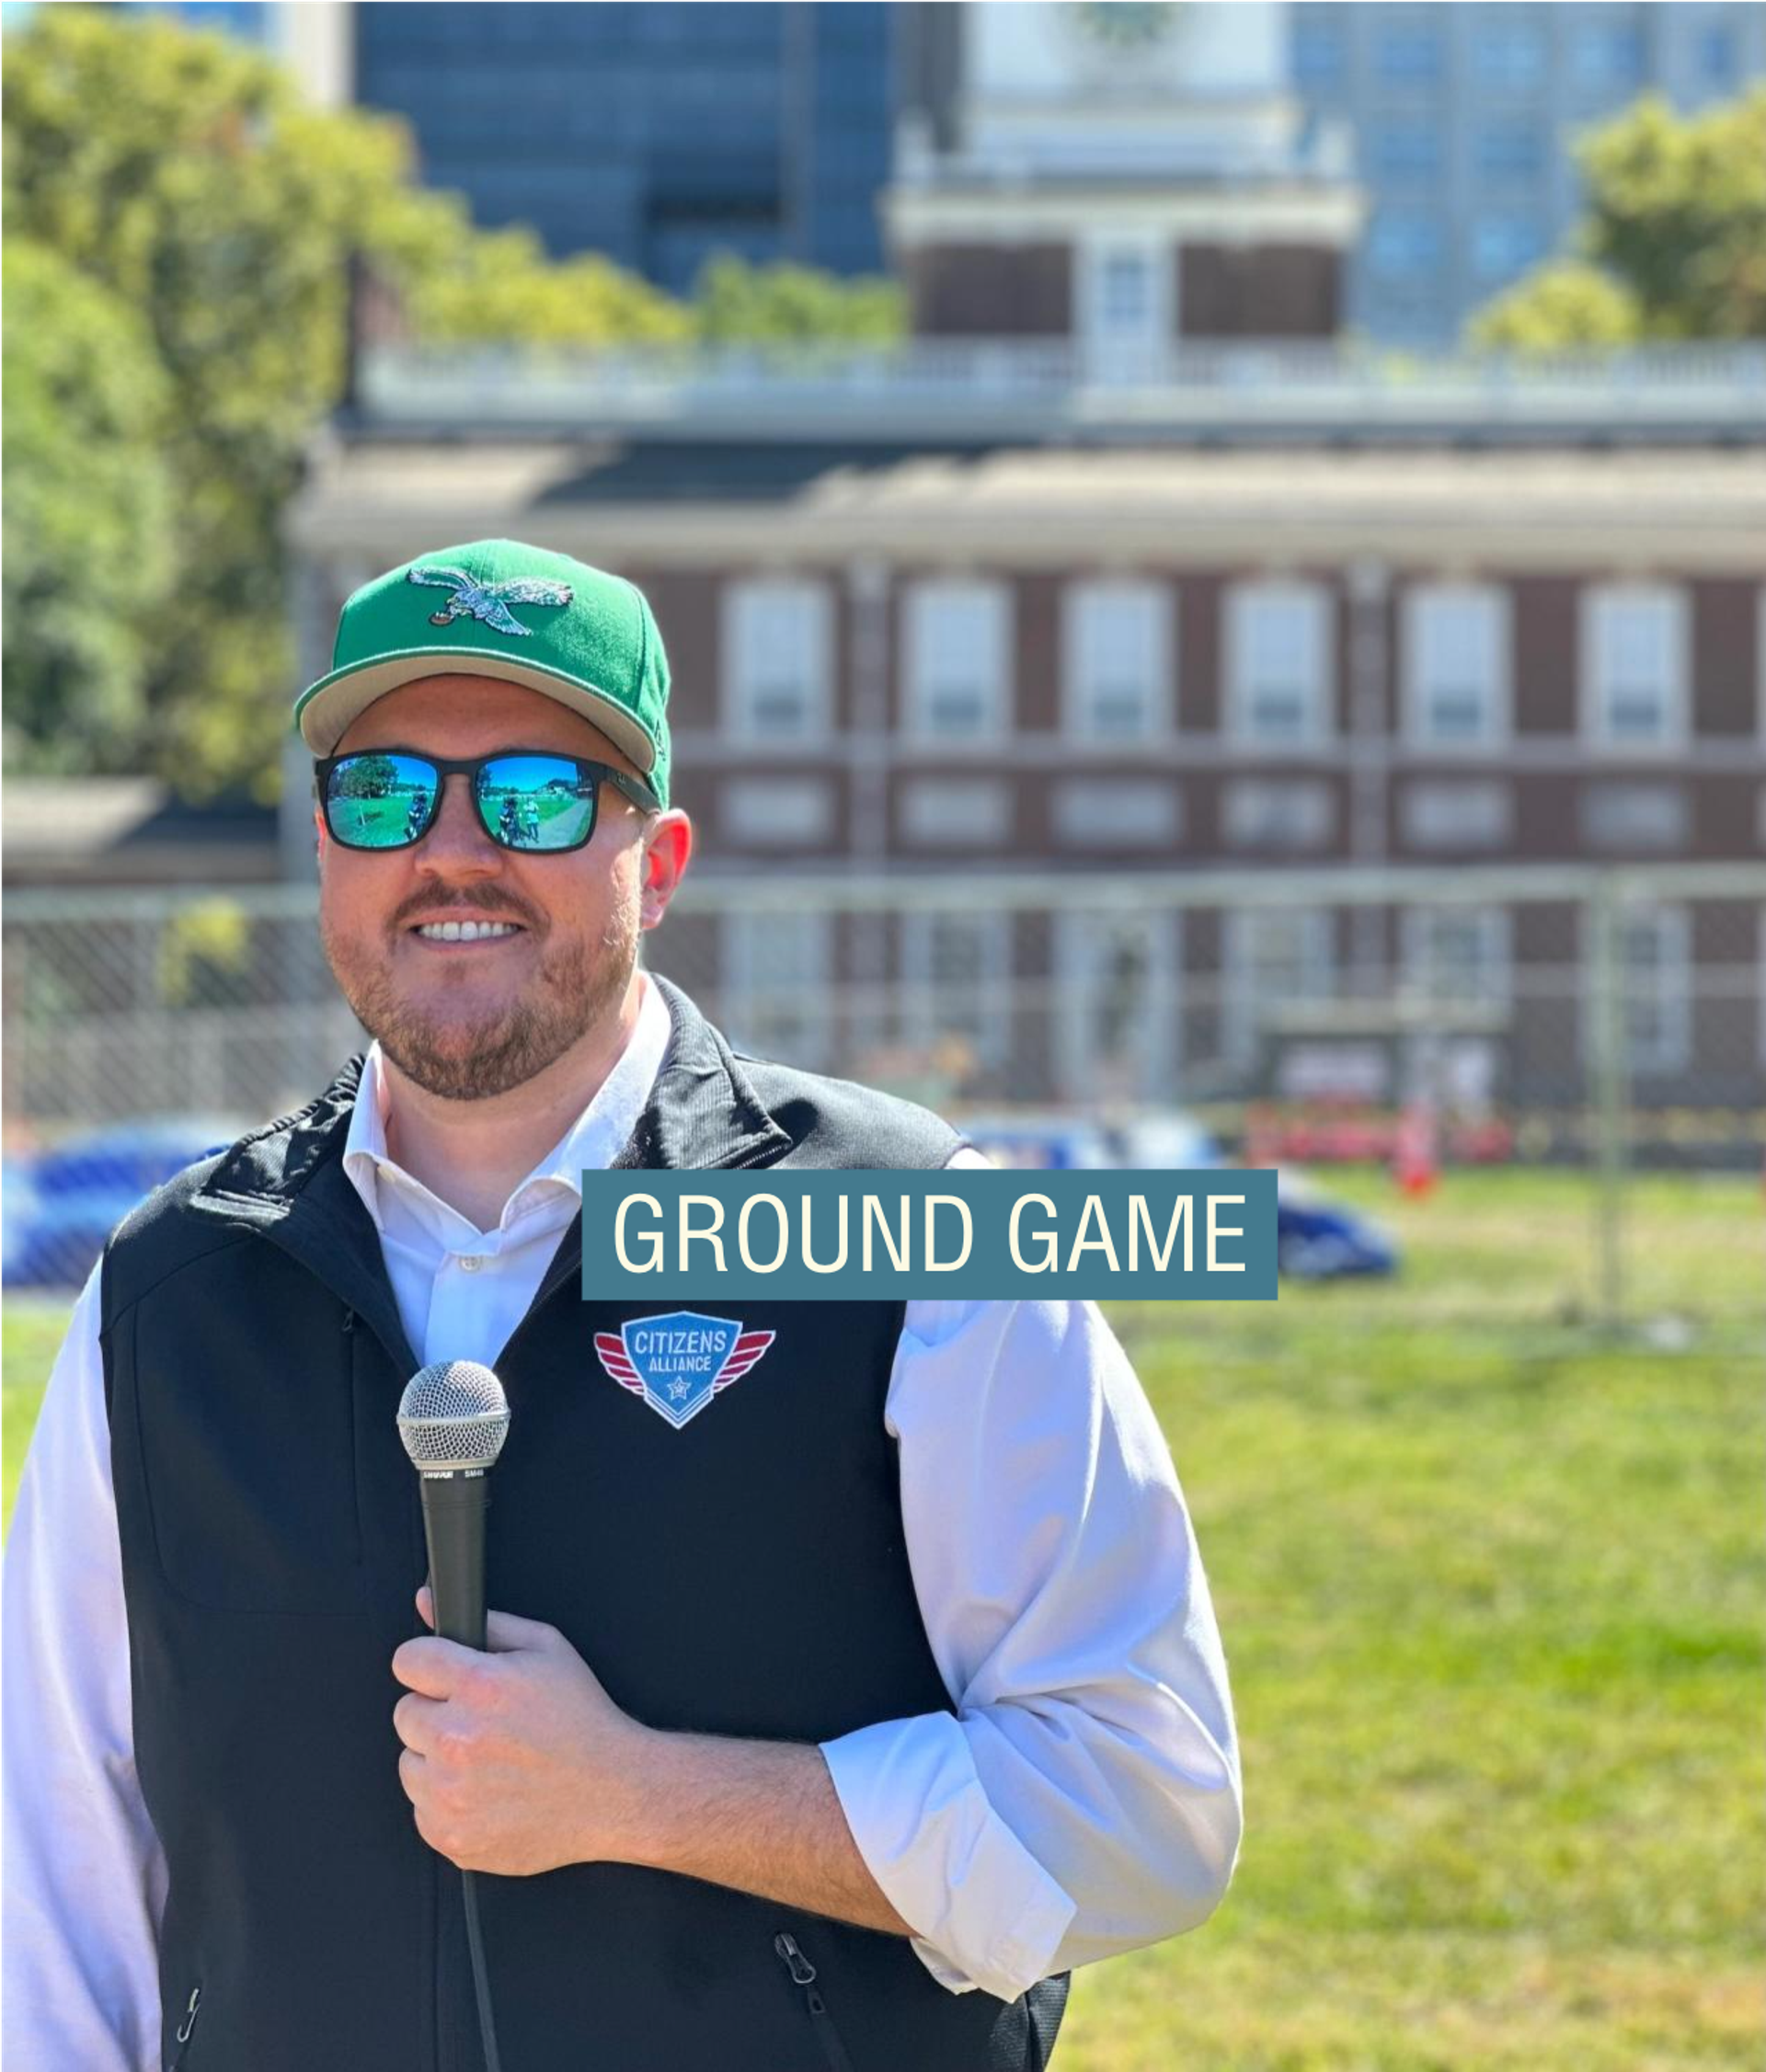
<point x="1490" y="1587"/>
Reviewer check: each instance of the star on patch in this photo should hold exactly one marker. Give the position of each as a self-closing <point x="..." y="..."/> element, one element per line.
<point x="680" y="1362"/>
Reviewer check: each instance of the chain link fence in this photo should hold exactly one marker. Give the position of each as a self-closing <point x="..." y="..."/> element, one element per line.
<point x="1603" y="1024"/>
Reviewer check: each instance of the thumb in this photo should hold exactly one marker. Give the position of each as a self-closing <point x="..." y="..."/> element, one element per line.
<point x="507" y="1634"/>
<point x="426" y="1606"/>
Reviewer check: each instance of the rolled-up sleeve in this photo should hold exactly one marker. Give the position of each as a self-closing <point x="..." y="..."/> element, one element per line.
<point x="1085" y="1797"/>
<point x="85" y="1877"/>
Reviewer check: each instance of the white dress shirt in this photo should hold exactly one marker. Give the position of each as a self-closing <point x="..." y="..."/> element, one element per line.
<point x="1084" y="1798"/>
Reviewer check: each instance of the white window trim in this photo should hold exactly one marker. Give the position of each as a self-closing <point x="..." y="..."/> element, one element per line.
<point x="991" y="984"/>
<point x="1499" y="710"/>
<point x="737" y="696"/>
<point x="1498" y="926"/>
<point x="1161" y="706"/>
<point x="1592" y="716"/>
<point x="1236" y="605"/>
<point x="997" y="718"/>
<point x="1076" y="939"/>
<point x="736" y="936"/>
<point x="1238" y="1025"/>
<point x="1154" y="248"/>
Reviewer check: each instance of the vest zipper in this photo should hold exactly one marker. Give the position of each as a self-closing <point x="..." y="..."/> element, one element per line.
<point x="803" y="1974"/>
<point x="182" y="2036"/>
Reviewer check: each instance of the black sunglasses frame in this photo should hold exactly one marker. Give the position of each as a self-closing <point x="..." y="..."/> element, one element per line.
<point x="633" y="788"/>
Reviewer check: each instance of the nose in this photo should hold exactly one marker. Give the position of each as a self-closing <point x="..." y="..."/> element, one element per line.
<point x="456" y="844"/>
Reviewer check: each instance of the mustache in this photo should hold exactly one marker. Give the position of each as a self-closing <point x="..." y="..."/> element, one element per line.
<point x="473" y="904"/>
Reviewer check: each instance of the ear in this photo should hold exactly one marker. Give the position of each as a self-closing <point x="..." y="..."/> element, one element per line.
<point x="668" y="848"/>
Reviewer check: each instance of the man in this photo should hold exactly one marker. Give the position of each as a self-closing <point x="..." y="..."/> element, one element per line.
<point x="829" y="1724"/>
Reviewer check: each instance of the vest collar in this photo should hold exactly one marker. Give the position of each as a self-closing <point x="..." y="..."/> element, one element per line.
<point x="287" y="1180"/>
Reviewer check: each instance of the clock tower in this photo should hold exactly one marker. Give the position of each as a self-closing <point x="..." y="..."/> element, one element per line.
<point x="1131" y="174"/>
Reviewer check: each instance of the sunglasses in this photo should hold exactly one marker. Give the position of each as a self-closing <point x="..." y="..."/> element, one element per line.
<point x="528" y="800"/>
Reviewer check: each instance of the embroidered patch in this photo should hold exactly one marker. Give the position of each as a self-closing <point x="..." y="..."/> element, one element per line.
<point x="488" y="602"/>
<point x="678" y="1363"/>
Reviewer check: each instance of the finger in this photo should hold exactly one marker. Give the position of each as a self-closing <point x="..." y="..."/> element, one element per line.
<point x="434" y="1667"/>
<point x="416" y="1721"/>
<point x="410" y="1773"/>
<point x="426" y="1606"/>
<point x="507" y="1634"/>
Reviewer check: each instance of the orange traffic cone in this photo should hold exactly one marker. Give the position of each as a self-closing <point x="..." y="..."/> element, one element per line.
<point x="1415" y="1154"/>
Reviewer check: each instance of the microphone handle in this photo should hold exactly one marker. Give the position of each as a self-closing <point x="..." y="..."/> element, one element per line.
<point x="453" y="1527"/>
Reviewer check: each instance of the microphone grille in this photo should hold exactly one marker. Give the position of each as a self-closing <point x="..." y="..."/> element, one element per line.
<point x="454" y="1414"/>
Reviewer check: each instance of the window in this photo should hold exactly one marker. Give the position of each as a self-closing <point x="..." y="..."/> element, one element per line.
<point x="1653" y="946"/>
<point x="1717" y="56"/>
<point x="1608" y="55"/>
<point x="957" y="812"/>
<point x="1118" y="1029"/>
<point x="1111" y="813"/>
<point x="1633" y="668"/>
<point x="778" y="661"/>
<point x="957" y="645"/>
<point x="1317" y="48"/>
<point x="776" y="812"/>
<point x="1457" y="957"/>
<point x="775" y="984"/>
<point x="1509" y="48"/>
<point x="1408" y="50"/>
<point x="1403" y="246"/>
<point x="956" y="968"/>
<point x="1295" y="815"/>
<point x="1511" y="150"/>
<point x="1503" y="245"/>
<point x="1465" y="815"/>
<point x="1276" y="957"/>
<point x="1116" y="649"/>
<point x="1405" y="150"/>
<point x="1634" y="817"/>
<point x="1278" y="665"/>
<point x="1456" y="668"/>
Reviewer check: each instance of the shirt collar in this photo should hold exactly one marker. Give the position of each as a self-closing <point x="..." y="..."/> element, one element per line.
<point x="593" y="1140"/>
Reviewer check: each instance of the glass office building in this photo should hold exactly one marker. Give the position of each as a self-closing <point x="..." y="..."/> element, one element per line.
<point x="1464" y="114"/>
<point x="657" y="134"/>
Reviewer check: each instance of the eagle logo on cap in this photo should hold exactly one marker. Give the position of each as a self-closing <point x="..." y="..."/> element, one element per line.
<point x="488" y="602"/>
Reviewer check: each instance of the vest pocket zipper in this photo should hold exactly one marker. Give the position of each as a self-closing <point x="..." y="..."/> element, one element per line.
<point x="803" y="1976"/>
<point x="182" y="2034"/>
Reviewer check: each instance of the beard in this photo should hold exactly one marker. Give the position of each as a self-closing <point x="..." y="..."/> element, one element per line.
<point x="460" y="1057"/>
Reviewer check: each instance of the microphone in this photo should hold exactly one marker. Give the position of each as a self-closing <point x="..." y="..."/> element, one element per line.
<point x="453" y="1418"/>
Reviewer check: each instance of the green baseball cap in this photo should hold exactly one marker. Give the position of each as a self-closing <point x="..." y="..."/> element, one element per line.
<point x="517" y="613"/>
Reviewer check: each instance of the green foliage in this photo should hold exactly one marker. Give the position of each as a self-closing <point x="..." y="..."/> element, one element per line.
<point x="179" y="174"/>
<point x="737" y="303"/>
<point x="1673" y="245"/>
<point x="1559" y="307"/>
<point x="499" y="285"/>
<point x="89" y="502"/>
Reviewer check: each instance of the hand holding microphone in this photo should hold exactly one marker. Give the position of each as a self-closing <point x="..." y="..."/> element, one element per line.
<point x="515" y="1761"/>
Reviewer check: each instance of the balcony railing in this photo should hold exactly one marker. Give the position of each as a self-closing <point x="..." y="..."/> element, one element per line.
<point x="985" y="389"/>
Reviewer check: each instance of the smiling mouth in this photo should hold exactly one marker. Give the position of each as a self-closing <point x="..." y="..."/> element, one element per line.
<point x="460" y="934"/>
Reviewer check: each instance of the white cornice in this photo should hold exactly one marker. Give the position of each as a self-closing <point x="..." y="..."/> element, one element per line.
<point x="918" y="216"/>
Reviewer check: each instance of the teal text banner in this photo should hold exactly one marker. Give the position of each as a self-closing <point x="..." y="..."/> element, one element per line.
<point x="971" y="1235"/>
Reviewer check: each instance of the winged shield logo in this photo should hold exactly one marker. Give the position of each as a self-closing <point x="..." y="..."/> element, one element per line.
<point x="679" y="1362"/>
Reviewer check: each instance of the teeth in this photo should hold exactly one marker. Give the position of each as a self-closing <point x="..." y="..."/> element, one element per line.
<point x="465" y="931"/>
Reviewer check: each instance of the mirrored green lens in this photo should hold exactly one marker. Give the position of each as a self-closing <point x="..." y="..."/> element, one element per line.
<point x="379" y="801"/>
<point x="537" y="801"/>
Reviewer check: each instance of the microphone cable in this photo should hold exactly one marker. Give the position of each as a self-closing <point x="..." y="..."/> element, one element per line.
<point x="481" y="1976"/>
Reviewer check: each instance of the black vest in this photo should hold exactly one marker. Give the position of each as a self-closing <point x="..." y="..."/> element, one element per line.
<point x="742" y="1574"/>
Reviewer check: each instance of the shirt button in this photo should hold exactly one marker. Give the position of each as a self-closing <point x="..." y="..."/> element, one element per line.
<point x="470" y="1265"/>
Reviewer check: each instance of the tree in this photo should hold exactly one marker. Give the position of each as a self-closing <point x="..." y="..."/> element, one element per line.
<point x="89" y="502"/>
<point x="501" y="288"/>
<point x="736" y="304"/>
<point x="179" y="176"/>
<point x="1673" y="245"/>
